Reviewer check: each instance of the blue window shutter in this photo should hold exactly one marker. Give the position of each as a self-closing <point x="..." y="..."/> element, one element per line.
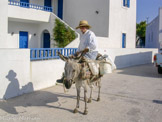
<point x="60" y="9"/>
<point x="123" y="2"/>
<point x="123" y="40"/>
<point x="47" y="3"/>
<point x="128" y="3"/>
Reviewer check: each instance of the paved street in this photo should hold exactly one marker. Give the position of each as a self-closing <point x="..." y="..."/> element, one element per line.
<point x="131" y="94"/>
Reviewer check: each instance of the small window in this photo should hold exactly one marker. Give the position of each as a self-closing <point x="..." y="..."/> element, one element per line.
<point x="123" y="40"/>
<point x="126" y="3"/>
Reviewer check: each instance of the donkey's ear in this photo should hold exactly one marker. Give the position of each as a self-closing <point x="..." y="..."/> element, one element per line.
<point x="62" y="57"/>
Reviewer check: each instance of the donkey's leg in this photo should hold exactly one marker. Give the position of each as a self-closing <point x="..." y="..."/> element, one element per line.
<point x="90" y="98"/>
<point x="78" y="98"/>
<point x="99" y="88"/>
<point x="85" y="100"/>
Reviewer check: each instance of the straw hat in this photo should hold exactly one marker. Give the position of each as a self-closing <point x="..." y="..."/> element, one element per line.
<point x="83" y="23"/>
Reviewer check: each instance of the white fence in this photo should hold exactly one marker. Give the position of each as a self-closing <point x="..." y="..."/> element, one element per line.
<point x="19" y="75"/>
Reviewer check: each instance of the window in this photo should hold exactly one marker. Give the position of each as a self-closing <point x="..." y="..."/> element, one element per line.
<point x="123" y="40"/>
<point x="126" y="3"/>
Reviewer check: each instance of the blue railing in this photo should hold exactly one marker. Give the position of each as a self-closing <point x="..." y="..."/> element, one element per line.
<point x="50" y="53"/>
<point x="29" y="5"/>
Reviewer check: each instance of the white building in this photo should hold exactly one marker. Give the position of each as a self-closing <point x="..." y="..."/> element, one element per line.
<point x="29" y="23"/>
<point x="113" y="21"/>
<point x="154" y="32"/>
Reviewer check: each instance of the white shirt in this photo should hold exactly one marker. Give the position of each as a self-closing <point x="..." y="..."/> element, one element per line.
<point x="88" y="40"/>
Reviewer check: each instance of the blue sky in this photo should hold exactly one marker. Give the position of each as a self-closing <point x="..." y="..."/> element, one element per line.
<point x="147" y="8"/>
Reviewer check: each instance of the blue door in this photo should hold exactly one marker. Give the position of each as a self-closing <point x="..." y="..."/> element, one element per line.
<point x="47" y="3"/>
<point x="46" y="40"/>
<point x="60" y="9"/>
<point x="123" y="40"/>
<point x="24" y="3"/>
<point x="23" y="39"/>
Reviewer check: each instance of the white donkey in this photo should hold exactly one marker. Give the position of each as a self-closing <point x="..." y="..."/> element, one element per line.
<point x="73" y="74"/>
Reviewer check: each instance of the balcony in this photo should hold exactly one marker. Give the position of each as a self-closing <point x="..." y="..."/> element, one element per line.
<point x="29" y="5"/>
<point x="27" y="12"/>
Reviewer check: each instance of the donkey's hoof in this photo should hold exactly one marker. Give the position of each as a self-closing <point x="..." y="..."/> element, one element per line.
<point x="89" y="100"/>
<point x="75" y="110"/>
<point x="85" y="112"/>
<point x="85" y="100"/>
<point x="98" y="99"/>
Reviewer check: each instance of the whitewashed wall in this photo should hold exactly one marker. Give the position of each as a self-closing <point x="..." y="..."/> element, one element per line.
<point x="18" y="75"/>
<point x="14" y="72"/>
<point x="3" y="23"/>
<point x="130" y="57"/>
<point x="16" y="12"/>
<point x="15" y="27"/>
<point x="160" y="27"/>
<point x="103" y="43"/>
<point x="122" y="20"/>
<point x="152" y="34"/>
<point x="112" y="20"/>
<point x="33" y="24"/>
<point x="45" y="73"/>
<point x="74" y="11"/>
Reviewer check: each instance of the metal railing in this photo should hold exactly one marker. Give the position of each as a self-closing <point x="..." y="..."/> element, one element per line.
<point x="30" y="5"/>
<point x="50" y="53"/>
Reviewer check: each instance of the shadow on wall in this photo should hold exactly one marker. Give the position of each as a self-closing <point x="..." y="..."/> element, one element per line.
<point x="13" y="88"/>
<point x="133" y="59"/>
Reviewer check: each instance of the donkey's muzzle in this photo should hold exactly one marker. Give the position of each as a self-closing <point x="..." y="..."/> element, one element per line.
<point x="68" y="84"/>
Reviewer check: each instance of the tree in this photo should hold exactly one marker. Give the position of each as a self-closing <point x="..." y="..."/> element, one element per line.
<point x="63" y="34"/>
<point x="140" y="32"/>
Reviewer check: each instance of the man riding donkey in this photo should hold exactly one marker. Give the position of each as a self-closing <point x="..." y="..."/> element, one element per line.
<point x="85" y="67"/>
<point x="88" y="46"/>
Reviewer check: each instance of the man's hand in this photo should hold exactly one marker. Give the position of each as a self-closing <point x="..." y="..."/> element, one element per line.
<point x="76" y="54"/>
<point x="85" y="50"/>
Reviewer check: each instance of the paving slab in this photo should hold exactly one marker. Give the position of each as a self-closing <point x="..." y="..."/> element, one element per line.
<point x="131" y="94"/>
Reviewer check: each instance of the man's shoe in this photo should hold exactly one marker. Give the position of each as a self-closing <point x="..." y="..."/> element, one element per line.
<point x="60" y="80"/>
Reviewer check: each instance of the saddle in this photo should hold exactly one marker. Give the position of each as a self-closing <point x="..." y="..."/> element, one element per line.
<point x="91" y="68"/>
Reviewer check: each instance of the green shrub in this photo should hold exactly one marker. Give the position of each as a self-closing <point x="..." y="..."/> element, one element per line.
<point x="63" y="35"/>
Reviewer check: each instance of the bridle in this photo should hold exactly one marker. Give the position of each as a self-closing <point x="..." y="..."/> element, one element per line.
<point x="68" y="83"/>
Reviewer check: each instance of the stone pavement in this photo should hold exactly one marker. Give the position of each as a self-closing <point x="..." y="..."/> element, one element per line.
<point x="132" y="94"/>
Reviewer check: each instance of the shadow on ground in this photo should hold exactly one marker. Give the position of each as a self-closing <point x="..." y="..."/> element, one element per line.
<point x="38" y="98"/>
<point x="157" y="101"/>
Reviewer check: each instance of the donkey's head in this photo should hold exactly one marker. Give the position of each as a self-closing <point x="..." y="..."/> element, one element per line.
<point x="72" y="70"/>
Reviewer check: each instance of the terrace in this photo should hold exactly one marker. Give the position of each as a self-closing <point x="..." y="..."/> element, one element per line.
<point x="30" y="5"/>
